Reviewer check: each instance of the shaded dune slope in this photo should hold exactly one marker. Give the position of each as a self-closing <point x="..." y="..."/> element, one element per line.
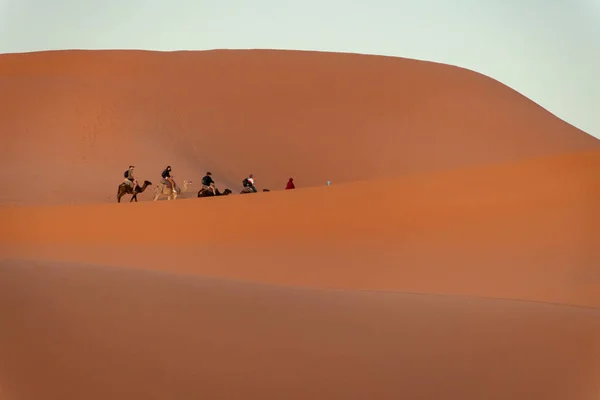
<point x="97" y="333"/>
<point x="524" y="230"/>
<point x="73" y="120"/>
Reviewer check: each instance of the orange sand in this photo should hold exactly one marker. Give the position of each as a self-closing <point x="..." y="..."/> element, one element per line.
<point x="73" y="121"/>
<point x="446" y="184"/>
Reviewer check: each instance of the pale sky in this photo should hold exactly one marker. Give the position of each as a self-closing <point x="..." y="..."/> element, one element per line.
<point x="549" y="50"/>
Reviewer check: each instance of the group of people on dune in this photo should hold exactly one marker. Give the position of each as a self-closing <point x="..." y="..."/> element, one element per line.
<point x="207" y="181"/>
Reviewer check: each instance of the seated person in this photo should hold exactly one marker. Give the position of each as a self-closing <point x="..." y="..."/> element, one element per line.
<point x="129" y="178"/>
<point x="290" y="185"/>
<point x="249" y="183"/>
<point x="166" y="175"/>
<point x="208" y="183"/>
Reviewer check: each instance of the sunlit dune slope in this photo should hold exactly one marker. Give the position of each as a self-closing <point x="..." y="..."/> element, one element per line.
<point x="72" y="121"/>
<point x="525" y="230"/>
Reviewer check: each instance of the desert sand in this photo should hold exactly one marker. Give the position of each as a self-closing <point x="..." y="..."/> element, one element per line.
<point x="455" y="254"/>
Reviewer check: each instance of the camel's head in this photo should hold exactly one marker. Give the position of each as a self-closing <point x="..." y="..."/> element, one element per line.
<point x="226" y="192"/>
<point x="266" y="190"/>
<point x="147" y="183"/>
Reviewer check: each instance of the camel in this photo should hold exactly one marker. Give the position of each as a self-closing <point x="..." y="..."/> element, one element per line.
<point x="126" y="188"/>
<point x="248" y="190"/>
<point x="208" y="193"/>
<point x="162" y="190"/>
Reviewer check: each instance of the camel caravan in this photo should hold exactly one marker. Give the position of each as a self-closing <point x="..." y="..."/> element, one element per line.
<point x="169" y="189"/>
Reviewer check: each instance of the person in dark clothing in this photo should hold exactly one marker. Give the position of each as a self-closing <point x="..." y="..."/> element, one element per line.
<point x="249" y="183"/>
<point x="166" y="175"/>
<point x="130" y="178"/>
<point x="208" y="183"/>
<point x="290" y="184"/>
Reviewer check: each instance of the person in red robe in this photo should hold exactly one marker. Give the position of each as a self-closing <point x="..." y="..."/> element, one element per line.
<point x="290" y="184"/>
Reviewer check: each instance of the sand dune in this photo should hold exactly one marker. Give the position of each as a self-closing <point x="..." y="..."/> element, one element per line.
<point x="84" y="116"/>
<point x="97" y="333"/>
<point x="526" y="231"/>
<point x="455" y="255"/>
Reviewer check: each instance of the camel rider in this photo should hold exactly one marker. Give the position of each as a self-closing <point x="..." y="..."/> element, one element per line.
<point x="208" y="183"/>
<point x="130" y="178"/>
<point x="166" y="175"/>
<point x="249" y="183"/>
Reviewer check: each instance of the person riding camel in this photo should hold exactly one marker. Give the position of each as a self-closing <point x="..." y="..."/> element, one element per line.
<point x="208" y="183"/>
<point x="290" y="184"/>
<point x="130" y="178"/>
<point x="166" y="175"/>
<point x="249" y="183"/>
